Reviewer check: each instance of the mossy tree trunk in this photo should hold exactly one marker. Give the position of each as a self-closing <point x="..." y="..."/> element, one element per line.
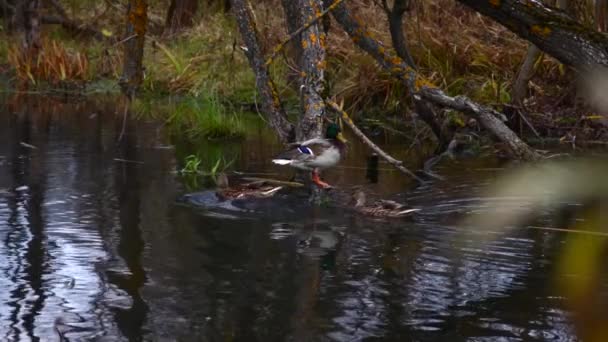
<point x="312" y="72"/>
<point x="180" y="15"/>
<point x="137" y="21"/>
<point x="270" y="102"/>
<point x="309" y="53"/>
<point x="550" y="29"/>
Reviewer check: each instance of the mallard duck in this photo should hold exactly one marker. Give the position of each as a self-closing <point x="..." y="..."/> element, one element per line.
<point x="315" y="154"/>
<point x="381" y="208"/>
<point x="251" y="190"/>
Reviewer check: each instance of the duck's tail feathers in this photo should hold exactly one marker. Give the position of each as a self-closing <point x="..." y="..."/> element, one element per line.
<point x="272" y="191"/>
<point x="408" y="211"/>
<point x="282" y="161"/>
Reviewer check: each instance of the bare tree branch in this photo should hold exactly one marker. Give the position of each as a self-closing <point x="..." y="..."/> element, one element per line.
<point x="398" y="164"/>
<point x="549" y="28"/>
<point x="271" y="104"/>
<point x="423" y="91"/>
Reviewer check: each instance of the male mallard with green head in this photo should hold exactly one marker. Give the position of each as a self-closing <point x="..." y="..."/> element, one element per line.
<point x="382" y="208"/>
<point x="315" y="154"/>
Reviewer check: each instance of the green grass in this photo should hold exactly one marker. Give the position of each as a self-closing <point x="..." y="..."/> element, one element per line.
<point x="203" y="117"/>
<point x="207" y="117"/>
<point x="201" y="161"/>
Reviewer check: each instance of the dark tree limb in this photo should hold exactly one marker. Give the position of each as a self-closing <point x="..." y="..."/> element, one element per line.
<point x="26" y="18"/>
<point x="490" y="120"/>
<point x="395" y="22"/>
<point x="137" y="21"/>
<point x="423" y="92"/>
<point x="73" y="26"/>
<point x="526" y="70"/>
<point x="63" y="20"/>
<point x="180" y="15"/>
<point x="549" y="28"/>
<point x="271" y="104"/>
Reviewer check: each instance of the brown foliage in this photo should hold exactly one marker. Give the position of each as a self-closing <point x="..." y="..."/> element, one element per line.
<point x="54" y="64"/>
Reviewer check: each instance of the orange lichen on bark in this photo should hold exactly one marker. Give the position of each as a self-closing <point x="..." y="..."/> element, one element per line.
<point x="422" y="82"/>
<point x="494" y="3"/>
<point x="313" y="37"/>
<point x="539" y="30"/>
<point x="138" y="18"/>
<point x="322" y="41"/>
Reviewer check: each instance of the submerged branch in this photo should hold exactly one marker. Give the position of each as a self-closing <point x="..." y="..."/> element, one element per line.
<point x="346" y="118"/>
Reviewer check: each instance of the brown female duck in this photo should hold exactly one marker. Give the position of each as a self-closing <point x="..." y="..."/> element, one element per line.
<point x="381" y="208"/>
<point x="251" y="190"/>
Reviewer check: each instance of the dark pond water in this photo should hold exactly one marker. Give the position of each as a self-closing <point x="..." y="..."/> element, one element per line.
<point x="93" y="246"/>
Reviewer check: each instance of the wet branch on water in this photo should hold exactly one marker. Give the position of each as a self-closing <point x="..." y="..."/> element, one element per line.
<point x="398" y="164"/>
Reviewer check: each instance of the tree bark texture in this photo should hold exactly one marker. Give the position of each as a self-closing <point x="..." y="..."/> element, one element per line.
<point x="395" y="21"/>
<point x="422" y="91"/>
<point x="293" y="21"/>
<point x="526" y="70"/>
<point x="180" y="15"/>
<point x="137" y="21"/>
<point x="293" y="50"/>
<point x="550" y="29"/>
<point x="312" y="66"/>
<point x="27" y="24"/>
<point x="270" y="102"/>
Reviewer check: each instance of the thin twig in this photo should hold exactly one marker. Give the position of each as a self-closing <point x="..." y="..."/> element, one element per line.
<point x="281" y="46"/>
<point x="273" y="181"/>
<point x="396" y="163"/>
<point x="586" y="232"/>
<point x="528" y="123"/>
<point x="124" y="120"/>
<point x="128" y="161"/>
